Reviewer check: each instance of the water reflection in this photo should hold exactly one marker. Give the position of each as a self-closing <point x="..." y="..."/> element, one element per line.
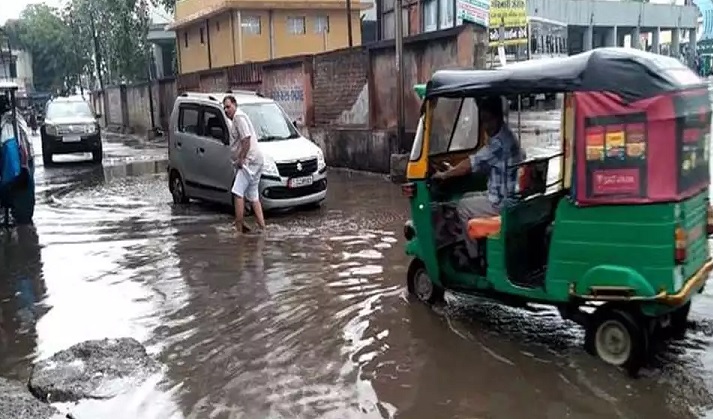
<point x="310" y="320"/>
<point x="21" y="291"/>
<point x="109" y="271"/>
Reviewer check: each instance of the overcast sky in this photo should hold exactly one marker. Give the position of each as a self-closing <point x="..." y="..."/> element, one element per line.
<point x="11" y="9"/>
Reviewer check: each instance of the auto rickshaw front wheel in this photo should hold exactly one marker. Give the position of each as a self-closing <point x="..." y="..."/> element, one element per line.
<point x="618" y="337"/>
<point x="419" y="284"/>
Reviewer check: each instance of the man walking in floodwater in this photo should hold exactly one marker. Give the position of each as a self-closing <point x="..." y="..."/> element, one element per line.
<point x="248" y="161"/>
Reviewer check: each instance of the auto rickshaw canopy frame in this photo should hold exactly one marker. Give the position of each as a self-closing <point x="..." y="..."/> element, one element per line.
<point x="629" y="73"/>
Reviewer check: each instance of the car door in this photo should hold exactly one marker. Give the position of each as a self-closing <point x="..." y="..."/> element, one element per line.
<point x="216" y="168"/>
<point x="185" y="145"/>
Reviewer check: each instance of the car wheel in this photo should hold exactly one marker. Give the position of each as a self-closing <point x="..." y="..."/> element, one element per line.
<point x="97" y="156"/>
<point x="46" y="155"/>
<point x="178" y="189"/>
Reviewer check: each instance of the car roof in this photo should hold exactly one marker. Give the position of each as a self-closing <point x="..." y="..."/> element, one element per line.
<point x="243" y="97"/>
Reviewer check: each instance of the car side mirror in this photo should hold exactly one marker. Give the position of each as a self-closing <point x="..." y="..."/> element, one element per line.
<point x="294" y="123"/>
<point x="40" y="119"/>
<point x="98" y="115"/>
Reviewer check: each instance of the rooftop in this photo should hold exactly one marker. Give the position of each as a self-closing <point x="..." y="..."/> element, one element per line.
<point x="189" y="11"/>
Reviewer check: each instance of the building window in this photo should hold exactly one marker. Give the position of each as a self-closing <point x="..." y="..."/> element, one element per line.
<point x="185" y="39"/>
<point x="296" y="25"/>
<point x="251" y="25"/>
<point x="321" y="24"/>
<point x="202" y="39"/>
<point x="430" y="15"/>
<point x="447" y="14"/>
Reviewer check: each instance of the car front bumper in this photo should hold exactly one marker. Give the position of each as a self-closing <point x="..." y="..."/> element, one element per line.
<point x="275" y="194"/>
<point x="56" y="145"/>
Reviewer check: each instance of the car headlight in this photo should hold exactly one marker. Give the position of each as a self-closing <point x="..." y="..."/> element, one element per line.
<point x="90" y="129"/>
<point x="269" y="167"/>
<point x="321" y="164"/>
<point x="51" y="129"/>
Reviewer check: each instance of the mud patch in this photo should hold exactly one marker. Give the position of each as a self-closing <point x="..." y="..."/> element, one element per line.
<point x="96" y="369"/>
<point x="16" y="401"/>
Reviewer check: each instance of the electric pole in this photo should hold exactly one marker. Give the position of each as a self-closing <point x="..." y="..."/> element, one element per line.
<point x="400" y="72"/>
<point x="97" y="62"/>
<point x="349" y="22"/>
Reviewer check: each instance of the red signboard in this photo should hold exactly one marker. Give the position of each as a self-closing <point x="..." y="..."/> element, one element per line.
<point x="615" y="181"/>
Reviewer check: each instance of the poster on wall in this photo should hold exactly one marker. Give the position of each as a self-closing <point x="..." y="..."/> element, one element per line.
<point x="693" y="132"/>
<point x="511" y="16"/>
<point x="474" y="11"/>
<point x="616" y="148"/>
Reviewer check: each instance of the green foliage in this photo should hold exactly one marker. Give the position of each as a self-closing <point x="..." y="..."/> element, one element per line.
<point x="67" y="45"/>
<point x="56" y="63"/>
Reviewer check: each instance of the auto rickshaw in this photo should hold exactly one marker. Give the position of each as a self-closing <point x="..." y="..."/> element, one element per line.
<point x="17" y="169"/>
<point x="622" y="228"/>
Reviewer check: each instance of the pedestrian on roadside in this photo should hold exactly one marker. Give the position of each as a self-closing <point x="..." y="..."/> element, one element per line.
<point x="248" y="162"/>
<point x="33" y="120"/>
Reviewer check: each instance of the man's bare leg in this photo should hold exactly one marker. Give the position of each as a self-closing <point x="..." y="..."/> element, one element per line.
<point x="239" y="204"/>
<point x="259" y="216"/>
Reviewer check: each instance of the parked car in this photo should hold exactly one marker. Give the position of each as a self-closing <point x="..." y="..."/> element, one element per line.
<point x="295" y="173"/>
<point x="70" y="126"/>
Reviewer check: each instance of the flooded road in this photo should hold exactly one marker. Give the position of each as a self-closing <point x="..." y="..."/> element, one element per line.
<point x="310" y="321"/>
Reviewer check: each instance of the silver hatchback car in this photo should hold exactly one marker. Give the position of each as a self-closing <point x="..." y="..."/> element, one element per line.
<point x="199" y="165"/>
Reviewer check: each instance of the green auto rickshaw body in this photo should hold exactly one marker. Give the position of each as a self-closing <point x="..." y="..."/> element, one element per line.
<point x="625" y="222"/>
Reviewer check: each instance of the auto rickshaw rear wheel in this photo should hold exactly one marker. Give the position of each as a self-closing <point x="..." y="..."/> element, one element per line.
<point x="679" y="321"/>
<point x="419" y="284"/>
<point x="618" y="337"/>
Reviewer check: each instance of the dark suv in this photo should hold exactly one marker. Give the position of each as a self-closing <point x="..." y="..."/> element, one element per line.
<point x="70" y="126"/>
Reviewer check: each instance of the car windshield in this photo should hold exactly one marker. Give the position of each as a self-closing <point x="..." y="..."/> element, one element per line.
<point x="68" y="109"/>
<point x="270" y="122"/>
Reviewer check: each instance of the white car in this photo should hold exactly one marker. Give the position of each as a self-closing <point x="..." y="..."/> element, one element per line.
<point x="199" y="165"/>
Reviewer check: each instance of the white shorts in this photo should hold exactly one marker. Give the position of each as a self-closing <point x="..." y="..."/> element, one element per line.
<point x="246" y="185"/>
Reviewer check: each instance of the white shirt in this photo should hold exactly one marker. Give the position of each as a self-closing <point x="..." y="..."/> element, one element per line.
<point x="241" y="128"/>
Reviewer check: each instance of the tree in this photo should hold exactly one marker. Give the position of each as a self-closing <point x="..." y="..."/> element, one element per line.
<point x="121" y="31"/>
<point x="85" y="39"/>
<point x="56" y="63"/>
<point x="169" y="5"/>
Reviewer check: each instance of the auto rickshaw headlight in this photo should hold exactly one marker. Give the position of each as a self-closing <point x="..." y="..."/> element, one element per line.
<point x="409" y="230"/>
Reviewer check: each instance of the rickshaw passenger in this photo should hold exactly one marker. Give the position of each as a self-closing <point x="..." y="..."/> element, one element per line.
<point x="496" y="158"/>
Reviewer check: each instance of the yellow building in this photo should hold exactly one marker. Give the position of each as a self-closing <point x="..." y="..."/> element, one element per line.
<point x="219" y="33"/>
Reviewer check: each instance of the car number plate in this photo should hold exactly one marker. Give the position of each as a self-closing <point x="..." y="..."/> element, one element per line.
<point x="71" y="139"/>
<point x="300" y="181"/>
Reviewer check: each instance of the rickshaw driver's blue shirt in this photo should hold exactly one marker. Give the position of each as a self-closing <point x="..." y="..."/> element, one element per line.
<point x="498" y="159"/>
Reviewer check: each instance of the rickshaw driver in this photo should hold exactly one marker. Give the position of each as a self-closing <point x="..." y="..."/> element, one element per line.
<point x="497" y="159"/>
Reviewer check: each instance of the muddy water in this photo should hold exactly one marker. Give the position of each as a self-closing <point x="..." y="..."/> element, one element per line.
<point x="310" y="321"/>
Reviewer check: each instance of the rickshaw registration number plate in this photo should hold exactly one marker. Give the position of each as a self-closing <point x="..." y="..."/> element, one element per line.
<point x="71" y="139"/>
<point x="299" y="182"/>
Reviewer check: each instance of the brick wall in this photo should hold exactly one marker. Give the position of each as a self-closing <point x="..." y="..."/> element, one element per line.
<point x="339" y="78"/>
<point x="346" y="98"/>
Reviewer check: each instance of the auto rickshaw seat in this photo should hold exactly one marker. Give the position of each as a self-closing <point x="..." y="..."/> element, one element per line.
<point x="483" y="227"/>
